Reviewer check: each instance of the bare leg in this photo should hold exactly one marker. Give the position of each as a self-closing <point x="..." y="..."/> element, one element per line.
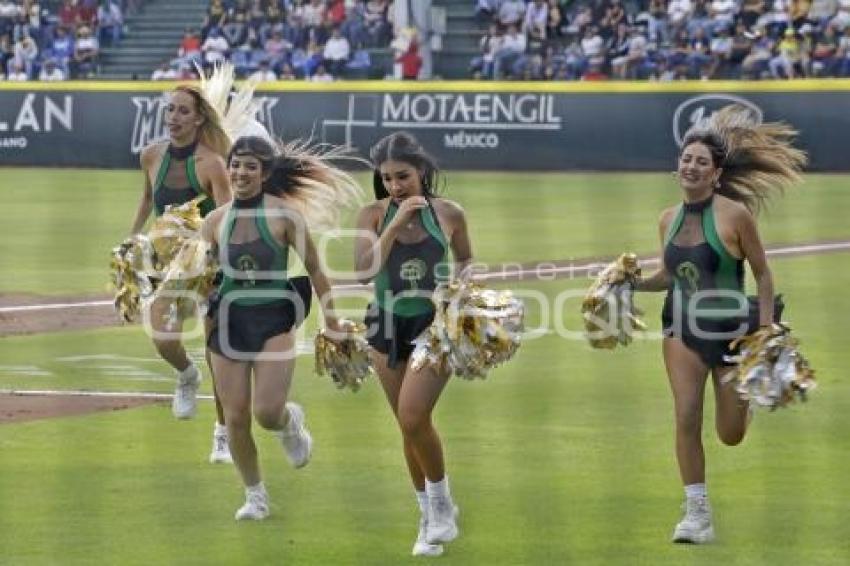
<point x="391" y="380"/>
<point x="687" y="374"/>
<point x="219" y="410"/>
<point x="419" y="393"/>
<point x="731" y="415"/>
<point x="168" y="341"/>
<point x="234" y="386"/>
<point x="273" y="379"/>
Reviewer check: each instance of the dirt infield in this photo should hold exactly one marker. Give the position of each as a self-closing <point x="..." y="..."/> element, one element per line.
<point x="54" y="320"/>
<point x="16" y="408"/>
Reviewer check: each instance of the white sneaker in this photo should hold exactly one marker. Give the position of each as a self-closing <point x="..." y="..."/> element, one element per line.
<point x="421" y="547"/>
<point x="220" y="449"/>
<point x="695" y="527"/>
<point x="296" y="439"/>
<point x="185" y="402"/>
<point x="256" y="507"/>
<point x="442" y="520"/>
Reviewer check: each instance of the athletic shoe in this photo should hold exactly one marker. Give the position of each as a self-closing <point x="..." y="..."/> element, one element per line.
<point x="421" y="547"/>
<point x="220" y="449"/>
<point x="695" y="527"/>
<point x="185" y="402"/>
<point x="256" y="507"/>
<point x="296" y="439"/>
<point x="442" y="520"/>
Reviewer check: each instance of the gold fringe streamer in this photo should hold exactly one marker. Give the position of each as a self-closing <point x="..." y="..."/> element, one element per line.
<point x="609" y="313"/>
<point x="771" y="371"/>
<point x="346" y="360"/>
<point x="474" y="330"/>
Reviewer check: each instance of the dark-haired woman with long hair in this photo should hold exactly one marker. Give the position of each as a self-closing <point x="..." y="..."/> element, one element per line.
<point x="728" y="167"/>
<point x="188" y="165"/>
<point x="281" y="195"/>
<point x="403" y="244"/>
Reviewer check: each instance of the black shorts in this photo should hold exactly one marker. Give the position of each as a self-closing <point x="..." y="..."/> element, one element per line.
<point x="393" y="335"/>
<point x="250" y="326"/>
<point x="713" y="351"/>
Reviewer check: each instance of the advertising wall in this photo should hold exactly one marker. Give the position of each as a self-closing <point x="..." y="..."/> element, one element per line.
<point x="482" y="126"/>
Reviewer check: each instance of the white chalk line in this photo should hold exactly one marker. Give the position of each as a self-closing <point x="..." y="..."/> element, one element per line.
<point x="86" y="393"/>
<point x="575" y="270"/>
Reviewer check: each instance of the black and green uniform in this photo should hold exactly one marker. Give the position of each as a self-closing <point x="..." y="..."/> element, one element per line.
<point x="255" y="300"/>
<point x="705" y="276"/>
<point x="402" y="308"/>
<point x="168" y="177"/>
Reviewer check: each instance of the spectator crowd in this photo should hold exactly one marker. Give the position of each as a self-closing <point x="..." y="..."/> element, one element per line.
<point x="58" y="40"/>
<point x="662" y="39"/>
<point x="318" y="40"/>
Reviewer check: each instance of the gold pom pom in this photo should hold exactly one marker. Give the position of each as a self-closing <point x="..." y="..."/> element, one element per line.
<point x="771" y="372"/>
<point x="474" y="330"/>
<point x="609" y="313"/>
<point x="346" y="360"/>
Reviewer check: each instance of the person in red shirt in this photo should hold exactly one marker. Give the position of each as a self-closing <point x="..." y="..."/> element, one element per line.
<point x="336" y="12"/>
<point x="410" y="61"/>
<point x="68" y="13"/>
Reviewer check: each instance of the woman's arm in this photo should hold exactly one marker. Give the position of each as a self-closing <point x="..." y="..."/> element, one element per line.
<point x="370" y="249"/>
<point x="146" y="202"/>
<point x="218" y="185"/>
<point x="660" y="280"/>
<point x="753" y="251"/>
<point x="460" y="243"/>
<point x="300" y="239"/>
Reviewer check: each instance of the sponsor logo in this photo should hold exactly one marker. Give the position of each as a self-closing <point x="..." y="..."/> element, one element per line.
<point x="37" y="114"/>
<point x="149" y="120"/>
<point x="700" y="108"/>
<point x="466" y="120"/>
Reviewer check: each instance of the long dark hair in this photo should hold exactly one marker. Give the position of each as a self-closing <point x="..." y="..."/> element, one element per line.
<point x="403" y="147"/>
<point x="758" y="159"/>
<point x="304" y="175"/>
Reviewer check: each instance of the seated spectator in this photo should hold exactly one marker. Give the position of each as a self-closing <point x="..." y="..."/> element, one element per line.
<point x="593" y="47"/>
<point x="678" y="12"/>
<point x="377" y="23"/>
<point x="700" y="59"/>
<point x="34" y="22"/>
<point x="511" y="13"/>
<point x="775" y="19"/>
<point x="277" y="50"/>
<point x="7" y="52"/>
<point x="555" y="20"/>
<point x="722" y="14"/>
<point x="86" y="51"/>
<point x="842" y="16"/>
<point x="511" y="52"/>
<point x="51" y="72"/>
<point x="658" y="30"/>
<point x="788" y="57"/>
<point x="25" y="53"/>
<point x="799" y="12"/>
<point x="321" y="75"/>
<point x="755" y="65"/>
<point x="742" y="43"/>
<point x="235" y="31"/>
<point x="842" y="56"/>
<point x="264" y="73"/>
<point x="335" y="14"/>
<point x="87" y="14"/>
<point x="215" y="47"/>
<point x="336" y="53"/>
<point x="824" y="53"/>
<point x="68" y="14"/>
<point x="700" y="19"/>
<point x="614" y="14"/>
<point x="110" y="22"/>
<point x="822" y="11"/>
<point x="721" y="52"/>
<point x="751" y="13"/>
<point x="486" y="10"/>
<point x="190" y="45"/>
<point x="165" y="72"/>
<point x="408" y="62"/>
<point x="287" y="73"/>
<point x="535" y="23"/>
<point x="17" y="74"/>
<point x="490" y="44"/>
<point x="216" y="17"/>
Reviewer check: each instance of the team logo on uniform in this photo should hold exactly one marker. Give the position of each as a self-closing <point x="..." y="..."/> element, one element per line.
<point x="249" y="267"/>
<point x="413" y="271"/>
<point x="689" y="272"/>
<point x="700" y="108"/>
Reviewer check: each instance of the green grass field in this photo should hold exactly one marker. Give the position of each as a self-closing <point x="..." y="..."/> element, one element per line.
<point x="563" y="456"/>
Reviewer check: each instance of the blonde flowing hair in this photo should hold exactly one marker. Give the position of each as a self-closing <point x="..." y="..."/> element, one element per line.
<point x="212" y="132"/>
<point x="758" y="159"/>
<point x="307" y="176"/>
